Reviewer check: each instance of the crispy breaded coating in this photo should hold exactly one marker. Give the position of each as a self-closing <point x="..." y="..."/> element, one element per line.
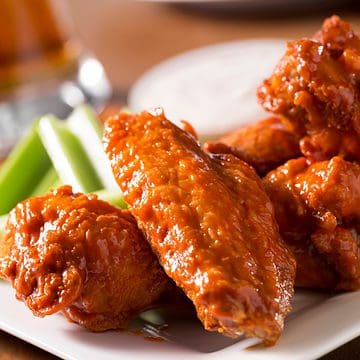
<point x="77" y="254"/>
<point x="210" y="222"/>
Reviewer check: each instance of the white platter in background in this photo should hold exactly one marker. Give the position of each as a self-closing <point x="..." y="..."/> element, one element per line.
<point x="214" y="88"/>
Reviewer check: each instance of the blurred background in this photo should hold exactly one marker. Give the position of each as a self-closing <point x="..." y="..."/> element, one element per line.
<point x="129" y="37"/>
<point x="56" y="54"/>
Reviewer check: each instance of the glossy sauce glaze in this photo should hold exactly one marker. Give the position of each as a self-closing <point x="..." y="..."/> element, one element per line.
<point x="264" y="145"/>
<point x="77" y="254"/>
<point x="316" y="86"/>
<point x="318" y="210"/>
<point x="210" y="222"/>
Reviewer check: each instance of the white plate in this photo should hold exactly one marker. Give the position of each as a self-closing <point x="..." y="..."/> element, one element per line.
<point x="214" y="88"/>
<point x="322" y="324"/>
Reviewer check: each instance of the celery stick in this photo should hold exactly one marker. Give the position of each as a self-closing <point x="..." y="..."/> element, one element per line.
<point x="114" y="198"/>
<point x="56" y="184"/>
<point x="68" y="156"/>
<point x="49" y="181"/>
<point x="126" y="110"/>
<point x="3" y="220"/>
<point x="84" y="123"/>
<point x="22" y="170"/>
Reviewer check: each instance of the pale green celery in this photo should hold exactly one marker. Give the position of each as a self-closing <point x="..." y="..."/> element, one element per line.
<point x="3" y="220"/>
<point x="22" y="170"/>
<point x="84" y="123"/>
<point x="68" y="156"/>
<point x="126" y="109"/>
<point x="56" y="184"/>
<point x="49" y="181"/>
<point x="113" y="197"/>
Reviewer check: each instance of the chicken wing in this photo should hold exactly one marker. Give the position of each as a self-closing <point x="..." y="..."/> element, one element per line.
<point x="209" y="221"/>
<point x="316" y="86"/>
<point x="77" y="254"/>
<point x="318" y="210"/>
<point x="339" y="38"/>
<point x="264" y="145"/>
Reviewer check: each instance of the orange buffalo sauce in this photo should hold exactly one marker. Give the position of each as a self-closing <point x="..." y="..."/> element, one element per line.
<point x="36" y="41"/>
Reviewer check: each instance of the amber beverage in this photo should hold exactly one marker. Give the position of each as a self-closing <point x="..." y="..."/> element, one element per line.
<point x="41" y="63"/>
<point x="36" y="41"/>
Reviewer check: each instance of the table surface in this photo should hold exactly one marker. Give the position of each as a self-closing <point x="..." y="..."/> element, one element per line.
<point x="130" y="37"/>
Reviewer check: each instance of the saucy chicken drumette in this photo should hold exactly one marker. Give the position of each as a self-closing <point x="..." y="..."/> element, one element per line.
<point x="210" y="222"/>
<point x="82" y="256"/>
<point x="316" y="87"/>
<point x="314" y="94"/>
<point x="318" y="210"/>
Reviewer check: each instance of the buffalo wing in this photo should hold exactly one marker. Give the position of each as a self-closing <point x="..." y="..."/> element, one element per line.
<point x="209" y="221"/>
<point x="77" y="254"/>
<point x="318" y="211"/>
<point x="264" y="145"/>
<point x="316" y="86"/>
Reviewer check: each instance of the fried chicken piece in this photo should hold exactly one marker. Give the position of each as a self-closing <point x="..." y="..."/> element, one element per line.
<point x="77" y="254"/>
<point x="264" y="145"/>
<point x="318" y="210"/>
<point x="326" y="143"/>
<point x="316" y="86"/>
<point x="343" y="44"/>
<point x="340" y="247"/>
<point x="312" y="270"/>
<point x="312" y="89"/>
<point x="210" y="222"/>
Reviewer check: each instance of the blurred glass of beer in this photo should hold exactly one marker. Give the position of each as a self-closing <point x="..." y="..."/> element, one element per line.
<point x="36" y="42"/>
<point x="43" y="67"/>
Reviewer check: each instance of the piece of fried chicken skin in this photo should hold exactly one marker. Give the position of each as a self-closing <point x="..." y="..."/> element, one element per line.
<point x="343" y="43"/>
<point x="318" y="210"/>
<point x="264" y="145"/>
<point x="316" y="86"/>
<point x="76" y="254"/>
<point x="210" y="222"/>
